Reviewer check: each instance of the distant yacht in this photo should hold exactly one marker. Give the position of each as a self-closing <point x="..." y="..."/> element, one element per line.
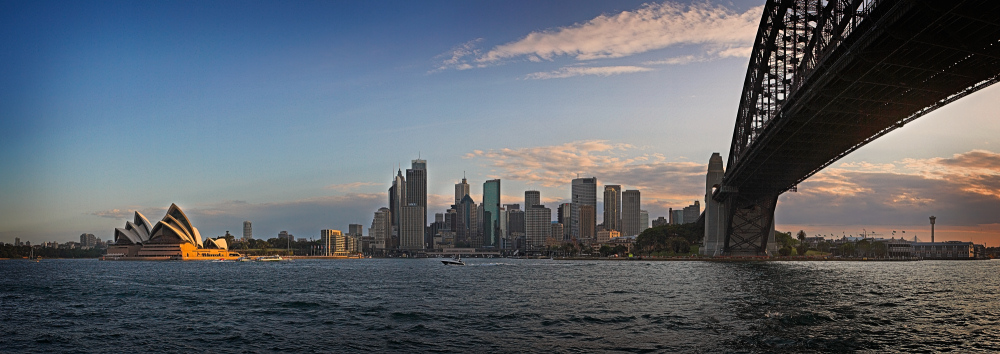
<point x="454" y="261"/>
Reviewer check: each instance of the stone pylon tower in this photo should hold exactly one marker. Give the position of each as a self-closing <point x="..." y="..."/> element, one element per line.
<point x="715" y="219"/>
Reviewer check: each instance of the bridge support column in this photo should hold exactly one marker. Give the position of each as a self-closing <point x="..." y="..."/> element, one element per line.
<point x="749" y="225"/>
<point x="715" y="216"/>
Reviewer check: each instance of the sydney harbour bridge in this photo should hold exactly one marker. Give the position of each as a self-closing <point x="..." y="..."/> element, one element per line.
<point x="827" y="77"/>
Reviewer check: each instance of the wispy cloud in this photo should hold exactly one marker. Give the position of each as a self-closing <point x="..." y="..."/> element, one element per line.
<point x="580" y="71"/>
<point x="662" y="183"/>
<point x="128" y="212"/>
<point x="719" y="31"/>
<point x="351" y="187"/>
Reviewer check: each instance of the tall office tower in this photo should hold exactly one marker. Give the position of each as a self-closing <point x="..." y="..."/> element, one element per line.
<point x="438" y="217"/>
<point x="630" y="213"/>
<point x="691" y="212"/>
<point x="416" y="187"/>
<point x="676" y="217"/>
<point x="643" y="220"/>
<point x="461" y="190"/>
<point x="451" y="218"/>
<point x="515" y="221"/>
<point x="713" y="239"/>
<point x="537" y="226"/>
<point x="411" y="231"/>
<point x="397" y="200"/>
<point x="588" y="223"/>
<point x="327" y="240"/>
<point x="247" y="231"/>
<point x="557" y="231"/>
<point x="491" y="213"/>
<point x="17" y="241"/>
<point x="503" y="235"/>
<point x="381" y="229"/>
<point x="477" y="231"/>
<point x="584" y="192"/>
<point x="466" y="224"/>
<point x="564" y="216"/>
<point x="355" y="230"/>
<point x="532" y="198"/>
<point x="613" y="207"/>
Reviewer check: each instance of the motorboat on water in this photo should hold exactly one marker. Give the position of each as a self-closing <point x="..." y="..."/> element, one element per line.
<point x="274" y="258"/>
<point x="454" y="261"/>
<point x="244" y="259"/>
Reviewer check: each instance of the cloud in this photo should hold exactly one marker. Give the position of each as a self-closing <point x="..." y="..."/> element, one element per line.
<point x="962" y="190"/>
<point x="128" y="213"/>
<point x="709" y="55"/>
<point x="719" y="31"/>
<point x="455" y="55"/>
<point x="579" y="71"/>
<point x="354" y="186"/>
<point x="663" y="184"/>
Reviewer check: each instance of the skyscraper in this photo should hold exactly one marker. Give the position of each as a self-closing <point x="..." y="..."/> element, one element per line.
<point x="643" y="220"/>
<point x="355" y="230"/>
<point x="247" y="231"/>
<point x="584" y="192"/>
<point x="411" y="230"/>
<point x="564" y="216"/>
<point x="461" y="190"/>
<point x="491" y="213"/>
<point x="532" y="198"/>
<point x="613" y="207"/>
<point x="676" y="216"/>
<point x="381" y="229"/>
<point x="587" y="223"/>
<point x="397" y="200"/>
<point x="416" y="188"/>
<point x="691" y="212"/>
<point x="630" y="213"/>
<point x="467" y="220"/>
<point x="537" y="226"/>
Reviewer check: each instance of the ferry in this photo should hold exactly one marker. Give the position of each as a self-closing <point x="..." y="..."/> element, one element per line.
<point x="274" y="258"/>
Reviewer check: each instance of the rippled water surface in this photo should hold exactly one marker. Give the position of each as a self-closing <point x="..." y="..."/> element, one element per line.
<point x="505" y="305"/>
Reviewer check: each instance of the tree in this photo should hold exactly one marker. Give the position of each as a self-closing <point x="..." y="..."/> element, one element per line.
<point x="801" y="235"/>
<point x="785" y="251"/>
<point x="784" y="239"/>
<point x="879" y="249"/>
<point x="846" y="249"/>
<point x="864" y="247"/>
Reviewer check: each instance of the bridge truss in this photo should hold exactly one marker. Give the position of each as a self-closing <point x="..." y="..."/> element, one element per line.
<point x="827" y="77"/>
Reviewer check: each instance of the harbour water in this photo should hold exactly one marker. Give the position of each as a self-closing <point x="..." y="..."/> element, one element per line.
<point x="499" y="305"/>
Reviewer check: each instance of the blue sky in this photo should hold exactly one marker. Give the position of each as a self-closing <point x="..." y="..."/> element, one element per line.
<point x="295" y="116"/>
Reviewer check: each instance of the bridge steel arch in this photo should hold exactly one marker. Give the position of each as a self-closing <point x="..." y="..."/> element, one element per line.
<point x="827" y="77"/>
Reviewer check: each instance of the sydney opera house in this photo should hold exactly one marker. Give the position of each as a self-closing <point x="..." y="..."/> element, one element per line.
<point x="171" y="238"/>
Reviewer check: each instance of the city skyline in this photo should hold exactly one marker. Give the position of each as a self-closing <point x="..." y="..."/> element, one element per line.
<point x="112" y="109"/>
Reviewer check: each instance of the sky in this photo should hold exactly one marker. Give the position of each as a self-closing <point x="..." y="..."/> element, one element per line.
<point x="296" y="115"/>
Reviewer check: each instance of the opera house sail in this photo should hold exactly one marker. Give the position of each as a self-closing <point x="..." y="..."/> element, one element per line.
<point x="173" y="237"/>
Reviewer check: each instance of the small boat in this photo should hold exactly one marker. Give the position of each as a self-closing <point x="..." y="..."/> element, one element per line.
<point x="274" y="258"/>
<point x="453" y="261"/>
<point x="244" y="259"/>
